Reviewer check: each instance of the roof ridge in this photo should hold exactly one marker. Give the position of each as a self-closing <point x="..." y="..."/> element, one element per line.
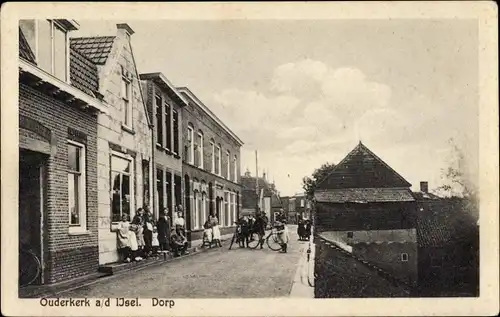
<point x="89" y="37"/>
<point x="361" y="145"/>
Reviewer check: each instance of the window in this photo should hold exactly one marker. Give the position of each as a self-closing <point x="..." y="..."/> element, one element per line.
<point x="177" y="190"/>
<point x="168" y="189"/>
<point x="76" y="187"/>
<point x="49" y="42"/>
<point x="127" y="105"/>
<point x="204" y="209"/>
<point x="196" y="209"/>
<point x="60" y="48"/>
<point x="122" y="186"/>
<point x="228" y="165"/>
<point x="404" y="257"/>
<point x="159" y="121"/>
<point x="168" y="128"/>
<point x="212" y="147"/>
<point x="199" y="210"/>
<point x="175" y="118"/>
<point x="145" y="184"/>
<point x="222" y="216"/>
<point x="199" y="150"/>
<point x="302" y="203"/>
<point x="235" y="167"/>
<point x="190" y="145"/>
<point x="350" y="234"/>
<point x="159" y="190"/>
<point x="226" y="208"/>
<point x="218" y="160"/>
<point x="233" y="206"/>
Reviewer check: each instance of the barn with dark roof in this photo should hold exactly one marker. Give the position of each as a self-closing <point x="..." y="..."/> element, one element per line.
<point x="367" y="207"/>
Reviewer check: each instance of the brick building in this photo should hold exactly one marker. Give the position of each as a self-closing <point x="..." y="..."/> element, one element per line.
<point x="164" y="104"/>
<point x="365" y="205"/>
<point x="124" y="143"/>
<point x="58" y="109"/>
<point x="211" y="168"/>
<point x="299" y="207"/>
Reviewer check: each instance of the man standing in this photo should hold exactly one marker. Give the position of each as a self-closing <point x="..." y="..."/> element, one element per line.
<point x="282" y="231"/>
<point x="260" y="228"/>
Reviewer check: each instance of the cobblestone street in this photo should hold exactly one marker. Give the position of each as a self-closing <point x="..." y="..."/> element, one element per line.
<point x="219" y="273"/>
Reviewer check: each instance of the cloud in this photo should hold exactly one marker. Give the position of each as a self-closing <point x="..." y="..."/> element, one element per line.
<point x="252" y="110"/>
<point x="314" y="114"/>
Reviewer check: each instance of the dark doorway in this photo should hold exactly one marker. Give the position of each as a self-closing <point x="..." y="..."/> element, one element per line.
<point x="31" y="198"/>
<point x="187" y="207"/>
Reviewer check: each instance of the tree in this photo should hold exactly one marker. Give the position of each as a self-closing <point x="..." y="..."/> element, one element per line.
<point x="458" y="183"/>
<point x="456" y="179"/>
<point x="309" y="183"/>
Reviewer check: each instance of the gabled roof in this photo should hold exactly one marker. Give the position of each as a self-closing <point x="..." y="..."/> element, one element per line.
<point x="364" y="195"/>
<point x="96" y="48"/>
<point x="361" y="168"/>
<point x="25" y="51"/>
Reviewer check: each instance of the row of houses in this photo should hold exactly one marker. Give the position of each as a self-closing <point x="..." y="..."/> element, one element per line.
<point x="98" y="140"/>
<point x="428" y="242"/>
<point x="258" y="193"/>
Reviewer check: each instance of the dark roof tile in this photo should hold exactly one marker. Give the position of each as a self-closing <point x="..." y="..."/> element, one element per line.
<point x="96" y="48"/>
<point x="361" y="168"/>
<point x="83" y="73"/>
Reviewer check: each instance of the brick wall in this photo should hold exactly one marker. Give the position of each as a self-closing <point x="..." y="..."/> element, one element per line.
<point x="211" y="130"/>
<point x="60" y="247"/>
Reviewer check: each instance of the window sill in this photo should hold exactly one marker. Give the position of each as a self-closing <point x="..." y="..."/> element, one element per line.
<point x="177" y="156"/>
<point x="128" y="129"/>
<point x="79" y="232"/>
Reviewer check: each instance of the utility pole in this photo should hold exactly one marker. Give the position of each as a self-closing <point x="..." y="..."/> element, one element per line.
<point x="257" y="182"/>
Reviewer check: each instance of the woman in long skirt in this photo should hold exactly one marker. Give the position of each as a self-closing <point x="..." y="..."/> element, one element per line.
<point x="215" y="229"/>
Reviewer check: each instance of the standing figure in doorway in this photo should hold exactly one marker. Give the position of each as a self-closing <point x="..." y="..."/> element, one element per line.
<point x="164" y="230"/>
<point x="215" y="229"/>
<point x="148" y="231"/>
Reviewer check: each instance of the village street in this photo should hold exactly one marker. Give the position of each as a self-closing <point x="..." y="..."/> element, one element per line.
<point x="218" y="273"/>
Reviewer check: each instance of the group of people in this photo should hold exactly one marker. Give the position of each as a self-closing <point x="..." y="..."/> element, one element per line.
<point x="304" y="229"/>
<point x="144" y="237"/>
<point x="211" y="232"/>
<point x="250" y="226"/>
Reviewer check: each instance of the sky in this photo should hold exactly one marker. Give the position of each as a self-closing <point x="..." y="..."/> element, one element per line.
<point x="305" y="92"/>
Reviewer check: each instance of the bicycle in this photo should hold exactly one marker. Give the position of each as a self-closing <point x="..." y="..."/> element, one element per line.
<point x="272" y="241"/>
<point x="30" y="267"/>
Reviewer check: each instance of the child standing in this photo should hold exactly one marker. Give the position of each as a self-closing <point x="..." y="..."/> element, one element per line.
<point x="155" y="243"/>
<point x="207" y="234"/>
<point x="123" y="238"/>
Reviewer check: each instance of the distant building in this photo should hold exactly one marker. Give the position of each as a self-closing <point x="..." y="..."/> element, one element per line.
<point x="369" y="207"/>
<point x="300" y="207"/>
<point x="268" y="199"/>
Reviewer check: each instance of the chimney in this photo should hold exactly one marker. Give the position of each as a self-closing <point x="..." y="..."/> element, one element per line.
<point x="124" y="27"/>
<point x="424" y="187"/>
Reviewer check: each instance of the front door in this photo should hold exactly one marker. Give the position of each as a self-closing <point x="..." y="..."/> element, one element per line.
<point x="31" y="179"/>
